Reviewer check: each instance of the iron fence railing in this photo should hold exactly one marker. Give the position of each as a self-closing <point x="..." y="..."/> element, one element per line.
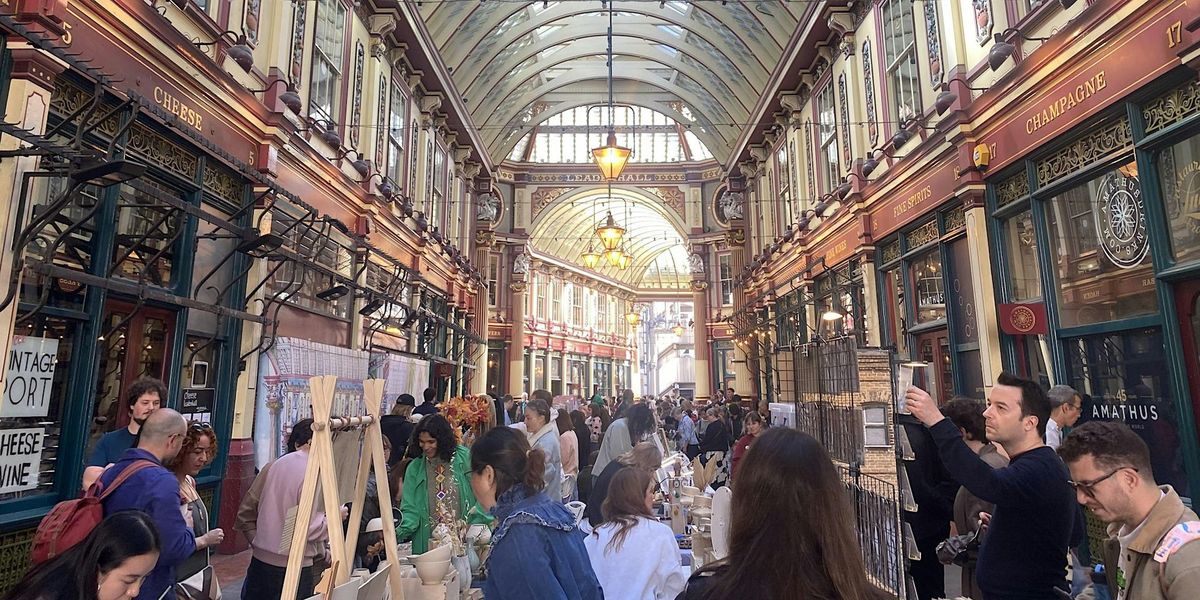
<point x="826" y="387"/>
<point x="876" y="504"/>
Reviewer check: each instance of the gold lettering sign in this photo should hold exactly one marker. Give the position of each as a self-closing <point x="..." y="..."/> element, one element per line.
<point x="1066" y="102"/>
<point x="178" y="108"/>
<point x="912" y="201"/>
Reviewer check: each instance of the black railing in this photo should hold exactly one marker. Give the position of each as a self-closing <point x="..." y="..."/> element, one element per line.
<point x="876" y="505"/>
<point x="826" y="376"/>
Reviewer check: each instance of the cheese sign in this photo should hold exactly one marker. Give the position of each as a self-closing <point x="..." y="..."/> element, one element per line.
<point x="20" y="458"/>
<point x="30" y="378"/>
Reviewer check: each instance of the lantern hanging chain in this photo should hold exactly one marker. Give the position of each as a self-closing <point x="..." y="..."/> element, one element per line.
<point x="611" y="110"/>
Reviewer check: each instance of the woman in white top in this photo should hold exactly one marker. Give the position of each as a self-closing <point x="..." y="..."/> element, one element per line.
<point x="568" y="444"/>
<point x="635" y="557"/>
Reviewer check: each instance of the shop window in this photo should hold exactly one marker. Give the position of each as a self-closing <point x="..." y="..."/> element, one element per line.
<point x="540" y="284"/>
<point x="725" y="272"/>
<point x="397" y="117"/>
<point x="35" y="399"/>
<point x="930" y="289"/>
<point x="1020" y="248"/>
<point x="829" y="172"/>
<point x="329" y="40"/>
<point x="900" y="54"/>
<point x="556" y="300"/>
<point x="495" y="365"/>
<point x="147" y="236"/>
<point x="1123" y="377"/>
<point x="1101" y="249"/>
<point x="785" y="191"/>
<point x="875" y="426"/>
<point x="438" y="179"/>
<point x="1179" y="173"/>
<point x="897" y="322"/>
<point x="577" y="307"/>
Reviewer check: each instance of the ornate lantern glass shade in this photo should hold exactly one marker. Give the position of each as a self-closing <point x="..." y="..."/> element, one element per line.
<point x="591" y="258"/>
<point x="677" y="330"/>
<point x="614" y="256"/>
<point x="610" y="233"/>
<point x="611" y="158"/>
<point x="633" y="318"/>
<point x="626" y="260"/>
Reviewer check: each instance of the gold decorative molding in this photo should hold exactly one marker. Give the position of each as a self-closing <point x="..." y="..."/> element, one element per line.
<point x="1085" y="151"/>
<point x="542" y="197"/>
<point x="671" y="196"/>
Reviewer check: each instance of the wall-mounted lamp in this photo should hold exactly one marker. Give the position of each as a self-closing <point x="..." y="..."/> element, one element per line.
<point x="361" y="165"/>
<point x="1001" y="50"/>
<point x="240" y="51"/>
<point x="290" y="97"/>
<point x="327" y="131"/>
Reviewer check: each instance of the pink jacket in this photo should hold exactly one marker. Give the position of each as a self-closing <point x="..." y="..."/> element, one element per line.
<point x="280" y="494"/>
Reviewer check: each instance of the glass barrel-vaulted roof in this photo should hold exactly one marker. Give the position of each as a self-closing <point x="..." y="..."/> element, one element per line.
<point x="653" y="235"/>
<point x="569" y="136"/>
<point x="514" y="61"/>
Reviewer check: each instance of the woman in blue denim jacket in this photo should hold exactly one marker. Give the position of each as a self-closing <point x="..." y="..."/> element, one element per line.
<point x="537" y="551"/>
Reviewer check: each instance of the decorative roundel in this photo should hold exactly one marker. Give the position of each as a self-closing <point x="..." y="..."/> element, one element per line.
<point x="1023" y="319"/>
<point x="1121" y="221"/>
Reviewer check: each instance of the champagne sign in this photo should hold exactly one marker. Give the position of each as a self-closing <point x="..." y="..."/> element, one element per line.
<point x="30" y="378"/>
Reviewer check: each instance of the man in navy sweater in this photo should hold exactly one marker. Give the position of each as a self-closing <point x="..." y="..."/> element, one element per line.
<point x="1024" y="552"/>
<point x="155" y="491"/>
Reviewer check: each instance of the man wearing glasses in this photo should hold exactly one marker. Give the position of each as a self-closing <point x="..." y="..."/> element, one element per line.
<point x="1024" y="551"/>
<point x="1065" y="407"/>
<point x="1151" y="551"/>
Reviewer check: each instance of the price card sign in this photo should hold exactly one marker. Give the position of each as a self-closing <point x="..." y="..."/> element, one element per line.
<point x="30" y="377"/>
<point x="20" y="458"/>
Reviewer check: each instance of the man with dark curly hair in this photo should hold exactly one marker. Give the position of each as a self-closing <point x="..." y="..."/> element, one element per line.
<point x="437" y="490"/>
<point x="144" y="396"/>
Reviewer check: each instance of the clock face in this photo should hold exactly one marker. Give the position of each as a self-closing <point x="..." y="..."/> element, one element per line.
<point x="1121" y="221"/>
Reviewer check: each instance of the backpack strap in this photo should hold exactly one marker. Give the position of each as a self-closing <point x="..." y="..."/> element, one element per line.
<point x="129" y="471"/>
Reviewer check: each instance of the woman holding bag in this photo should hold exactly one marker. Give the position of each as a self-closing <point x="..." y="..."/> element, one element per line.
<point x="196" y="578"/>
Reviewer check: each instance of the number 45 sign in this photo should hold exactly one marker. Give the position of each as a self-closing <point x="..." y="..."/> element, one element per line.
<point x="30" y="377"/>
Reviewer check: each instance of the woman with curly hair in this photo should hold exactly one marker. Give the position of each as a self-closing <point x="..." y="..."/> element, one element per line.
<point x="437" y="490"/>
<point x="199" y="449"/>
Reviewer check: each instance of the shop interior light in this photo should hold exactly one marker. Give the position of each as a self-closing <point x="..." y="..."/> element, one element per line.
<point x="832" y="315"/>
<point x="677" y="330"/>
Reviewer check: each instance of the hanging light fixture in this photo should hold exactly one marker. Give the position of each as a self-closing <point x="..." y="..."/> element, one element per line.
<point x="626" y="260"/>
<point x="614" y="257"/>
<point x="591" y="258"/>
<point x="610" y="157"/>
<point x="632" y="317"/>
<point x="677" y="330"/>
<point x="610" y="233"/>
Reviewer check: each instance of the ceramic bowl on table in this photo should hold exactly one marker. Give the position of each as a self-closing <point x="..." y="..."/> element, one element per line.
<point x="439" y="554"/>
<point x="432" y="573"/>
<point x="702" y="502"/>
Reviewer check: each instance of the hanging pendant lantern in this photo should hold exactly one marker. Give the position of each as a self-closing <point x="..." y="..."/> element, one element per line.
<point x="614" y="257"/>
<point x="591" y="258"/>
<point x="611" y="158"/>
<point x="610" y="233"/>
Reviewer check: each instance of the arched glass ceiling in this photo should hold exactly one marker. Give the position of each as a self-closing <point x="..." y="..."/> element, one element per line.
<point x="569" y="136"/>
<point x="565" y="228"/>
<point x="511" y="60"/>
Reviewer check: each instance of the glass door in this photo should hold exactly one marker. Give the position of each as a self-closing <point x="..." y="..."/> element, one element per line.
<point x="1187" y="302"/>
<point x="135" y="343"/>
<point x="933" y="348"/>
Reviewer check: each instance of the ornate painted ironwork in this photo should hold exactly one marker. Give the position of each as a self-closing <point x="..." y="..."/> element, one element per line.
<point x="14" y="556"/>
<point x="542" y="197"/>
<point x="1084" y="151"/>
<point x="844" y="104"/>
<point x="891" y="252"/>
<point x="933" y="36"/>
<point x="956" y="218"/>
<point x="1011" y="189"/>
<point x="223" y="183"/>
<point x="810" y="158"/>
<point x="299" y="16"/>
<point x="1172" y="107"/>
<point x="360" y="57"/>
<point x="869" y="94"/>
<point x="672" y="197"/>
<point x="382" y="124"/>
<point x="923" y="235"/>
<point x="160" y="151"/>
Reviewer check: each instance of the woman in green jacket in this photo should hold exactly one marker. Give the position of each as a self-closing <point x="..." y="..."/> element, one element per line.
<point x="437" y="489"/>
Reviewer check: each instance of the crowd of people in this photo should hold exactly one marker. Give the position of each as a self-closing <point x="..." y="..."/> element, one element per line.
<point x="556" y="500"/>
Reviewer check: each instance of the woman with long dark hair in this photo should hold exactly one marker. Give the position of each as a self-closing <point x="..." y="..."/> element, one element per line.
<point x="537" y="551"/>
<point x="109" y="564"/>
<point x="635" y="556"/>
<point x="624" y="434"/>
<point x="436" y="488"/>
<point x="792" y="530"/>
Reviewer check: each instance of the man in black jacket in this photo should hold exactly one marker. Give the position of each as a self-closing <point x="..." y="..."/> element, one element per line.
<point x="933" y="489"/>
<point x="1024" y="552"/>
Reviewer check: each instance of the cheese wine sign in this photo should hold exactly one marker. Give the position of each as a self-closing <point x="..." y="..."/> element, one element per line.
<point x="20" y="458"/>
<point x="30" y="377"/>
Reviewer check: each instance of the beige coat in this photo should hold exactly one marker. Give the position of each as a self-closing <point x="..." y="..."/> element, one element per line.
<point x="1147" y="579"/>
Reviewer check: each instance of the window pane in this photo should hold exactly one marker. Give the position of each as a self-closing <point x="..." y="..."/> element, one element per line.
<point x="1020" y="246"/>
<point x="931" y="293"/>
<point x="1179" y="173"/>
<point x="1101" y="250"/>
<point x="962" y="293"/>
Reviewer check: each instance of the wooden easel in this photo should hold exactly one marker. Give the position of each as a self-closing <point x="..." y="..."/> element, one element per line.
<point x="321" y="471"/>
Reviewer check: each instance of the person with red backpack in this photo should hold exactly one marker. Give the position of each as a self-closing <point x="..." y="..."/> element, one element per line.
<point x="154" y="490"/>
<point x="108" y="564"/>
